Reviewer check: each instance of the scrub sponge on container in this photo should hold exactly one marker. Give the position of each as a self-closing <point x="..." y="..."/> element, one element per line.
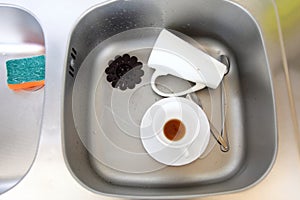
<point x="26" y="73"/>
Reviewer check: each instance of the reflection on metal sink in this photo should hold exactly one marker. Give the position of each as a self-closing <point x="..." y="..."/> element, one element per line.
<point x="21" y="111"/>
<point x="99" y="158"/>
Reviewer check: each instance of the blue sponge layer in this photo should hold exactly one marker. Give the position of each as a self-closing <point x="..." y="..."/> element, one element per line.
<point x="25" y="70"/>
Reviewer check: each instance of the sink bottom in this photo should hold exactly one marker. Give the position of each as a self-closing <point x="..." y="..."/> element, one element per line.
<point x="113" y="141"/>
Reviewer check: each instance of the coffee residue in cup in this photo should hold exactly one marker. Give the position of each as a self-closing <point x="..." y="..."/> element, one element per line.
<point x="174" y="130"/>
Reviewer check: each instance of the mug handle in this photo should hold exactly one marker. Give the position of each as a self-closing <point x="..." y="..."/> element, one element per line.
<point x="156" y="74"/>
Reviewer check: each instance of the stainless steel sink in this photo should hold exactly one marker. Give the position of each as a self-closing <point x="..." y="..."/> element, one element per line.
<point x="119" y="27"/>
<point x="21" y="111"/>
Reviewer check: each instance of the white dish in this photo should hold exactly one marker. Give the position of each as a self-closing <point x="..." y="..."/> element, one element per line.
<point x="175" y="153"/>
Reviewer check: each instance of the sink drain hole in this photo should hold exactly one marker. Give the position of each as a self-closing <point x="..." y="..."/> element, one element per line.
<point x="124" y="72"/>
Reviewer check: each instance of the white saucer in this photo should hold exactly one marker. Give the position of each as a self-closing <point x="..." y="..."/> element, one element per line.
<point x="194" y="119"/>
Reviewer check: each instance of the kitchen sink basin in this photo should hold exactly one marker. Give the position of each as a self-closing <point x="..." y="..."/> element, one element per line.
<point x="21" y="111"/>
<point x="100" y="123"/>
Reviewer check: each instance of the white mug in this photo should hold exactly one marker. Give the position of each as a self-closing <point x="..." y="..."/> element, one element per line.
<point x="174" y="56"/>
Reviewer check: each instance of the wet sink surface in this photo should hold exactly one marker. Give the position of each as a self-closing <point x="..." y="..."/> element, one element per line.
<point x="20" y="118"/>
<point x="109" y="162"/>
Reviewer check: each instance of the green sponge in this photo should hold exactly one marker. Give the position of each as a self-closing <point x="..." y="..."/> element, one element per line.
<point x="26" y="73"/>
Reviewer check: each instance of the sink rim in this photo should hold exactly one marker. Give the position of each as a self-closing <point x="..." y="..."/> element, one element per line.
<point x="37" y="95"/>
<point x="274" y="155"/>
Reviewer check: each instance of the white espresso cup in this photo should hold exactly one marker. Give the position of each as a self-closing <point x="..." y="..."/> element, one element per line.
<point x="174" y="56"/>
<point x="175" y="131"/>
